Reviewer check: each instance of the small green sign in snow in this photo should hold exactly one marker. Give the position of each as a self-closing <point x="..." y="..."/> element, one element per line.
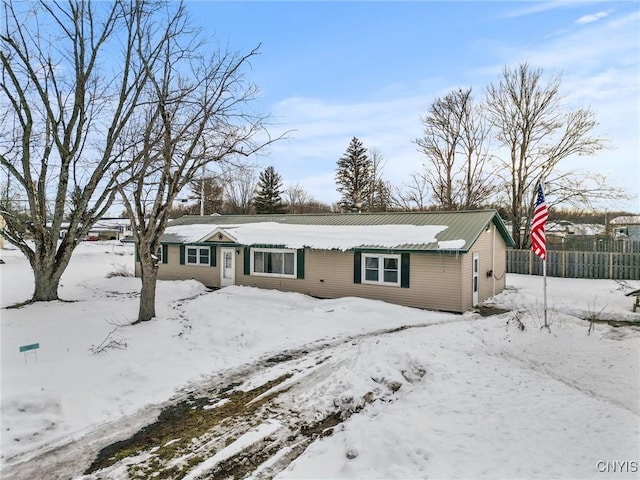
<point x="26" y="348"/>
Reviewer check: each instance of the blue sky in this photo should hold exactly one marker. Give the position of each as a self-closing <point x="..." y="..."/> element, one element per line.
<point x="333" y="70"/>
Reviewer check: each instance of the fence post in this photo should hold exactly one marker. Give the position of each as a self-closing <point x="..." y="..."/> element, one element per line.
<point x="611" y="265"/>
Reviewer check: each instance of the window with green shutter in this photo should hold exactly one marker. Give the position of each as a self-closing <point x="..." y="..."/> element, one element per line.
<point x="381" y="269"/>
<point x="274" y="262"/>
<point x="197" y="255"/>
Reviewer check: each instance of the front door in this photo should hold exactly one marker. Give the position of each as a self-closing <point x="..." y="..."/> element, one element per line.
<point x="476" y="268"/>
<point x="228" y="270"/>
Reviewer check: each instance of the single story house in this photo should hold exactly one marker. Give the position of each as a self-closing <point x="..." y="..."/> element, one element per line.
<point x="448" y="261"/>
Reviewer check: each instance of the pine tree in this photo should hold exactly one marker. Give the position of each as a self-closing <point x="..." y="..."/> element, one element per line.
<point x="268" y="192"/>
<point x="354" y="177"/>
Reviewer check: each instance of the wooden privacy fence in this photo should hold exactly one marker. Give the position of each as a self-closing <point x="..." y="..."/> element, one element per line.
<point x="612" y="265"/>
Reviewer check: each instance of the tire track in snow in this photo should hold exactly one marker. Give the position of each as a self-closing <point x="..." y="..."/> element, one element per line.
<point x="69" y="456"/>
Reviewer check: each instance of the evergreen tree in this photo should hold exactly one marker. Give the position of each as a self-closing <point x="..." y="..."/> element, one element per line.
<point x="208" y="192"/>
<point x="268" y="192"/>
<point x="354" y="177"/>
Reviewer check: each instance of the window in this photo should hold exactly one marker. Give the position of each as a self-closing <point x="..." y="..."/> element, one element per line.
<point x="272" y="262"/>
<point x="197" y="256"/>
<point x="159" y="254"/>
<point x="381" y="269"/>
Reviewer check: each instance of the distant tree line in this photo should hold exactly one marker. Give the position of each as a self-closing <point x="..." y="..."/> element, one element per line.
<point x="243" y="191"/>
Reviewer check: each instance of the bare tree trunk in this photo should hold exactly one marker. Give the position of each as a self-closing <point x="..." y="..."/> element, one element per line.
<point x="48" y="263"/>
<point x="47" y="276"/>
<point x="149" y="274"/>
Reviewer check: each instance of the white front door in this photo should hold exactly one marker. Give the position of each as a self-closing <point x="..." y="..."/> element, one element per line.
<point x="476" y="268"/>
<point x="228" y="270"/>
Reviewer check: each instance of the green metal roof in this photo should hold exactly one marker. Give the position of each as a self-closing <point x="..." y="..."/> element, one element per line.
<point x="466" y="225"/>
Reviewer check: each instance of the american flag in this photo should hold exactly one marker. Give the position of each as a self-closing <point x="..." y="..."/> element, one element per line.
<point x="540" y="215"/>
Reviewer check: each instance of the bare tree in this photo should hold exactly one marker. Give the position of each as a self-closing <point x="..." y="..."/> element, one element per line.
<point x="296" y="198"/>
<point x="578" y="190"/>
<point x="537" y="134"/>
<point x="455" y="142"/>
<point x="412" y="195"/>
<point x="196" y="113"/>
<point x="379" y="190"/>
<point x="63" y="109"/>
<point x="478" y="171"/>
<point x="442" y="130"/>
<point x="239" y="188"/>
<point x="207" y="191"/>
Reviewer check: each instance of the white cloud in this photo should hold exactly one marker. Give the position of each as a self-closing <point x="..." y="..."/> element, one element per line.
<point x="600" y="66"/>
<point x="593" y="17"/>
<point x="323" y="130"/>
<point x="533" y="8"/>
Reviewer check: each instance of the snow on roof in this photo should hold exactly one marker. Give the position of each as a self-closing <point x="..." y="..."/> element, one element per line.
<point x="190" y="233"/>
<point x="323" y="237"/>
<point x="626" y="220"/>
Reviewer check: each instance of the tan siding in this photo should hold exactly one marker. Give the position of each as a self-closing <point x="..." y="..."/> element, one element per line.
<point x="437" y="281"/>
<point x="172" y="270"/>
<point x="491" y="249"/>
<point x="434" y="280"/>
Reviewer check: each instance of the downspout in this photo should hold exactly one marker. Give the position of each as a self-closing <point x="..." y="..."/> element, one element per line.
<point x="493" y="258"/>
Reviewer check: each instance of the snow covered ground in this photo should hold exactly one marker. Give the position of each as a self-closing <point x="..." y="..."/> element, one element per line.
<point x="450" y="396"/>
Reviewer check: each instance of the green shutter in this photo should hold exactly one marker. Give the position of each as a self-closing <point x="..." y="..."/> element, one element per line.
<point x="247" y="261"/>
<point x="165" y="253"/>
<point x="357" y="267"/>
<point x="300" y="261"/>
<point x="212" y="255"/>
<point x="181" y="254"/>
<point x="137" y="254"/>
<point x="404" y="270"/>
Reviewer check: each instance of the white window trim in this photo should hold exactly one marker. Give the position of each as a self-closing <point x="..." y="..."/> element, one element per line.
<point x="198" y="248"/>
<point x="274" y="250"/>
<point x="159" y="254"/>
<point x="380" y="281"/>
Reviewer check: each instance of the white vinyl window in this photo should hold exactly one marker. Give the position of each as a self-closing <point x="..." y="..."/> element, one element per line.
<point x="273" y="262"/>
<point x="381" y="269"/>
<point x="197" y="256"/>
<point x="159" y="254"/>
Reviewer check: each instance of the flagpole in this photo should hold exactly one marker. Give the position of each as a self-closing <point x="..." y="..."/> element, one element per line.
<point x="544" y="274"/>
<point x="538" y="239"/>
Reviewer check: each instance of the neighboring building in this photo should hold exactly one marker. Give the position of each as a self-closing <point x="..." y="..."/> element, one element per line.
<point x="447" y="261"/>
<point x="110" y="229"/>
<point x="626" y="227"/>
<point x="104" y="229"/>
<point x="566" y="229"/>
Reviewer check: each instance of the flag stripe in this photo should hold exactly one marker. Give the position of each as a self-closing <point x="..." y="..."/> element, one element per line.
<point x="540" y="215"/>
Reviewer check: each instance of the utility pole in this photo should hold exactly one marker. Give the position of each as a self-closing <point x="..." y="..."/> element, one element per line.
<point x="202" y="193"/>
